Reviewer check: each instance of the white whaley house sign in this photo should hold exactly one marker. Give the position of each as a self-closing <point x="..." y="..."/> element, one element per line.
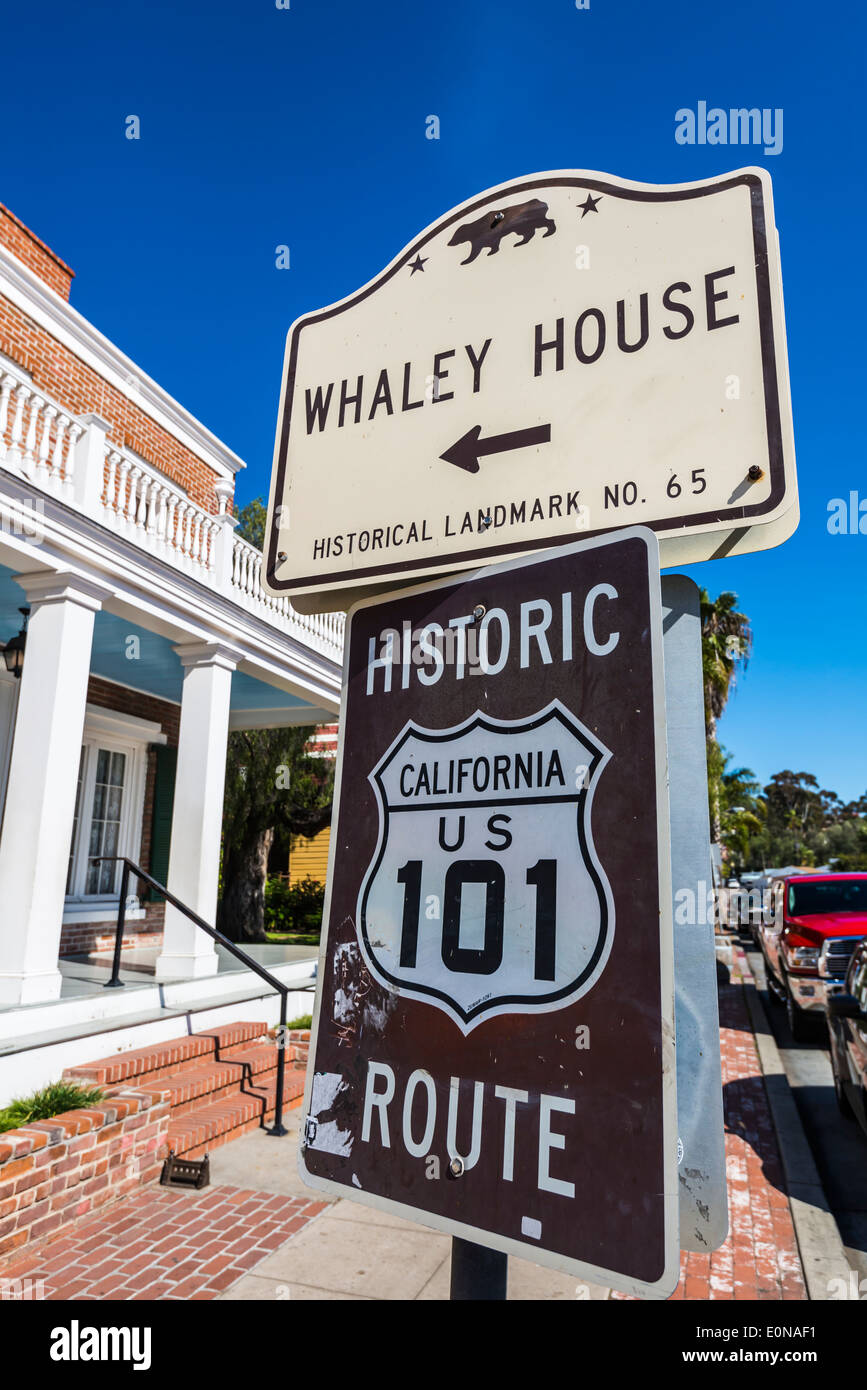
<point x="561" y="355"/>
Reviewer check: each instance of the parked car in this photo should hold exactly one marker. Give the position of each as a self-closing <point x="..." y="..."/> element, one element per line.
<point x="759" y="889"/>
<point x="815" y="924"/>
<point x="847" y="1031"/>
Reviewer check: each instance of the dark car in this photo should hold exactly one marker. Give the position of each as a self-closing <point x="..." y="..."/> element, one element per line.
<point x="847" y="1030"/>
<point x="816" y="922"/>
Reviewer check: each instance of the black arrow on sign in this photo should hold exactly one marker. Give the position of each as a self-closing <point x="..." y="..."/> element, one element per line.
<point x="470" y="448"/>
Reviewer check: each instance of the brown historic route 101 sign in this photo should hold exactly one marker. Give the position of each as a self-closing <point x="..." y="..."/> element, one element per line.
<point x="562" y="355"/>
<point x="493" y="1053"/>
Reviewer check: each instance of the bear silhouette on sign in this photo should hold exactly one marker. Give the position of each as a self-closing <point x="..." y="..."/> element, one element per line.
<point x="525" y="219"/>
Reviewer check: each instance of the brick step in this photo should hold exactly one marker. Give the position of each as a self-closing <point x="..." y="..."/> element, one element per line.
<point x="299" y="1038"/>
<point x="206" y="1127"/>
<point x="163" y="1059"/>
<point x="191" y="1087"/>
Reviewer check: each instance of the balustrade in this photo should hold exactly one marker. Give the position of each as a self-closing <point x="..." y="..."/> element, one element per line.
<point x="38" y="441"/>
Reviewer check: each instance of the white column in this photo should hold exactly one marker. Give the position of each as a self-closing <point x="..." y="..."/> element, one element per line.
<point x="197" y="815"/>
<point x="223" y="537"/>
<point x="88" y="475"/>
<point x="43" y="773"/>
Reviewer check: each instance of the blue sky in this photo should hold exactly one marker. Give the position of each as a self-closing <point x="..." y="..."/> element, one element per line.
<point x="305" y="127"/>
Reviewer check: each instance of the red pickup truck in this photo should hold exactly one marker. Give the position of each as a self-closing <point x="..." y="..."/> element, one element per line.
<point x="815" y="924"/>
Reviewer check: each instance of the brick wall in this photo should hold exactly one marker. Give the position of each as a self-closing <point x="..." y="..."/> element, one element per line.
<point x="81" y="938"/>
<point x="52" y="1171"/>
<point x="34" y="253"/>
<point x="80" y="390"/>
<point x="125" y="701"/>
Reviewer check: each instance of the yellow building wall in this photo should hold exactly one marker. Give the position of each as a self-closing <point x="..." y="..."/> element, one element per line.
<point x="309" y="858"/>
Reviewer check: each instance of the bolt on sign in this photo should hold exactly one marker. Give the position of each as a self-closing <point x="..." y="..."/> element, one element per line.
<point x="493" y="1049"/>
<point x="562" y="355"/>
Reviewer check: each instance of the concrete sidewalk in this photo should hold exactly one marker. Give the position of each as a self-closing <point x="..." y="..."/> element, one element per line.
<point x="355" y="1252"/>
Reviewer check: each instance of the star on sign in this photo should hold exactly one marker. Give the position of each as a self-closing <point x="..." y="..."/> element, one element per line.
<point x="589" y="205"/>
<point x="418" y="264"/>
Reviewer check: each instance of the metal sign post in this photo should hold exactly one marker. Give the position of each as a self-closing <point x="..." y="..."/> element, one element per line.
<point x="477" y="1273"/>
<point x="701" y="1148"/>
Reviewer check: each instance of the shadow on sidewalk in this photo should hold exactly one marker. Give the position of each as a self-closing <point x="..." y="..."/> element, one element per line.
<point x="747" y="1115"/>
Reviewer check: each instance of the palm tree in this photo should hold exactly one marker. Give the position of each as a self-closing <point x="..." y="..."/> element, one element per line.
<point x="743" y="810"/>
<point x="726" y="639"/>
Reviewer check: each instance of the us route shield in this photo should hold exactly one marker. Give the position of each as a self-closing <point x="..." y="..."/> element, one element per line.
<point x="493" y="1050"/>
<point x="475" y="796"/>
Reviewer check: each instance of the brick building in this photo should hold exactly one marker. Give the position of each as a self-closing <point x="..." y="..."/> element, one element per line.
<point x="148" y="638"/>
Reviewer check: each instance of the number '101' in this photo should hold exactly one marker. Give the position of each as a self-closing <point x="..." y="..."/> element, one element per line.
<point x="485" y="960"/>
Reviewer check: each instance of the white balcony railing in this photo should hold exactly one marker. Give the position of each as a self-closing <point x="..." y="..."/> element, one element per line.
<point x="144" y="506"/>
<point x="37" y="438"/>
<point x="70" y="458"/>
<point x="246" y="582"/>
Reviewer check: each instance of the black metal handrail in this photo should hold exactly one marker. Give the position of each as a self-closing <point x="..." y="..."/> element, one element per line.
<point x="117" y="983"/>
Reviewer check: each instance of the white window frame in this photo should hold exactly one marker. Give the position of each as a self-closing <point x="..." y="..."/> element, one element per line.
<point x="119" y="733"/>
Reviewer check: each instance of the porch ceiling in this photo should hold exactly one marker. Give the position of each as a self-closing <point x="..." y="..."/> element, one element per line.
<point x="150" y="663"/>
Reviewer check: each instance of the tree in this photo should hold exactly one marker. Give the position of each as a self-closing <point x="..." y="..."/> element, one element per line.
<point x="726" y="640"/>
<point x="274" y="788"/>
<point x="795" y="812"/>
<point x="808" y="824"/>
<point x="251" y="522"/>
<point x="743" y="811"/>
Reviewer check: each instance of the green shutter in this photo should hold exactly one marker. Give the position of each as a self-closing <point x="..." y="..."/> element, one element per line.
<point x="161" y="827"/>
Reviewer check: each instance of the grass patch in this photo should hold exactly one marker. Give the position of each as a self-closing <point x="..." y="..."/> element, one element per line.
<point x="303" y="1022"/>
<point x="293" y="938"/>
<point x="44" y="1104"/>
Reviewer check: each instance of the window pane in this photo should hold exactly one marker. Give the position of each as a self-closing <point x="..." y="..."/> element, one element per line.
<point x="837" y="895"/>
<point x="106" y="815"/>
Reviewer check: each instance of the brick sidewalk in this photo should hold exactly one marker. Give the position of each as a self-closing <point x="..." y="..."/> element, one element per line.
<point x="163" y="1244"/>
<point x="160" y="1244"/>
